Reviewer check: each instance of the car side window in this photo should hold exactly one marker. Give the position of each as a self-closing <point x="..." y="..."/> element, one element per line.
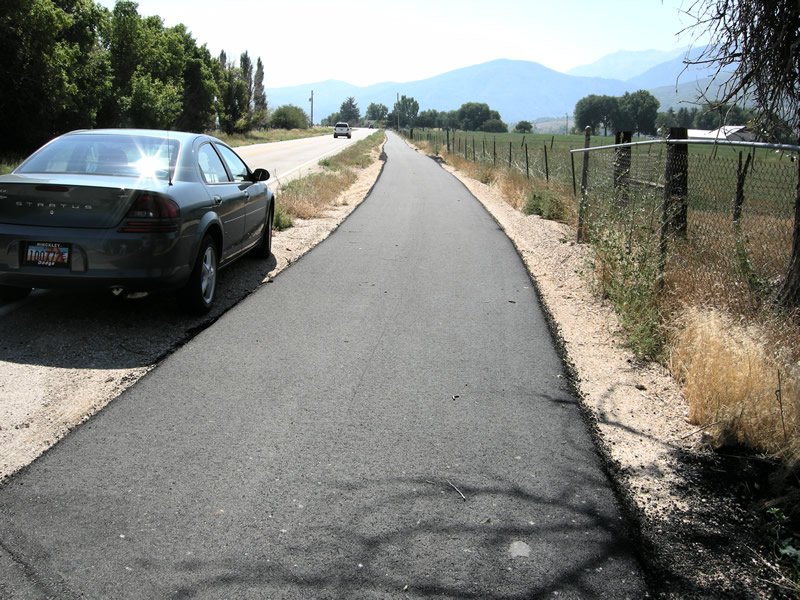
<point x="211" y="165"/>
<point x="235" y="164"/>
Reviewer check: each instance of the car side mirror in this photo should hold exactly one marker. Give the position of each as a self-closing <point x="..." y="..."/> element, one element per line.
<point x="260" y="175"/>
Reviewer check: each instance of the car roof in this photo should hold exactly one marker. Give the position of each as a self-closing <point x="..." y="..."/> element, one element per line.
<point x="181" y="136"/>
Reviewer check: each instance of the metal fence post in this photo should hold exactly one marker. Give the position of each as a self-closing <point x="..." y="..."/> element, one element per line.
<point x="584" y="174"/>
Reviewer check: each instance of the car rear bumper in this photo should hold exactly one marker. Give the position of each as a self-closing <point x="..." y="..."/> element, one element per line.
<point x="98" y="259"/>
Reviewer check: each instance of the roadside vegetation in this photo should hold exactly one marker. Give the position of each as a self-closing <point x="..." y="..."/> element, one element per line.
<point x="311" y="196"/>
<point x="264" y="136"/>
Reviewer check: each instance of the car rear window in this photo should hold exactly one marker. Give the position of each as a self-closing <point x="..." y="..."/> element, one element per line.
<point x="341" y="124"/>
<point x="128" y="156"/>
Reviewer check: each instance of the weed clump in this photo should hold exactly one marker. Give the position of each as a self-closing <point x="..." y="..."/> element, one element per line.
<point x="740" y="384"/>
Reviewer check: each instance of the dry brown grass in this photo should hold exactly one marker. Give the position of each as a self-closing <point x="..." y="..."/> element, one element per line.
<point x="514" y="186"/>
<point x="311" y="196"/>
<point x="730" y="373"/>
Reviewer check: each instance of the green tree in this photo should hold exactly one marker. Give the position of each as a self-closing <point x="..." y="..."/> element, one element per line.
<point x="246" y="73"/>
<point x="289" y="116"/>
<point x="151" y="103"/>
<point x="493" y="126"/>
<point x="428" y="118"/>
<point x="199" y="91"/>
<point x="234" y="110"/>
<point x="594" y="111"/>
<point x="55" y="69"/>
<point x="407" y="109"/>
<point x="349" y="111"/>
<point x="685" y="117"/>
<point x="376" y="112"/>
<point x="472" y="115"/>
<point x="260" y="114"/>
<point x="638" y="112"/>
<point x="524" y="127"/>
<point x="665" y="120"/>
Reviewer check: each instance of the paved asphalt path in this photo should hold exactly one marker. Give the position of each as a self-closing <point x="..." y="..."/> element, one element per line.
<point x="317" y="440"/>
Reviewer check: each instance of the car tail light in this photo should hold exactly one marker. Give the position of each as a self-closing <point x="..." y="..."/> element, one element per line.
<point x="152" y="213"/>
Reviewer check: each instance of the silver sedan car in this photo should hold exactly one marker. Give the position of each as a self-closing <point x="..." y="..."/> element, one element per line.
<point x="131" y="211"/>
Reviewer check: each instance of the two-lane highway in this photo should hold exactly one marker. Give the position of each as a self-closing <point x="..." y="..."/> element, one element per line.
<point x="388" y="419"/>
<point x="293" y="158"/>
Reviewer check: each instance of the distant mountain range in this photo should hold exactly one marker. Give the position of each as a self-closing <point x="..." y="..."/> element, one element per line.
<point x="518" y="89"/>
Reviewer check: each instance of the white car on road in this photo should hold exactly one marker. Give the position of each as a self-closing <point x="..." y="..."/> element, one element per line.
<point x="342" y="129"/>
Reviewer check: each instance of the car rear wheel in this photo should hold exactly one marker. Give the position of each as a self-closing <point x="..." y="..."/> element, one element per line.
<point x="10" y="294"/>
<point x="200" y="291"/>
<point x="264" y="248"/>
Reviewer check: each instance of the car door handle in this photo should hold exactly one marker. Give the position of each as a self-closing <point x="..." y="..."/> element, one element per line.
<point x="217" y="199"/>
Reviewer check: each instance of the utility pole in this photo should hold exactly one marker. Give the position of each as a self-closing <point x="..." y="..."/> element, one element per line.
<point x="397" y="110"/>
<point x="567" y="131"/>
<point x="312" y="107"/>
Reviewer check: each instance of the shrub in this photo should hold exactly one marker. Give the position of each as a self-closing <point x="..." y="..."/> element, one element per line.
<point x="545" y="202"/>
<point x="281" y="220"/>
<point x="494" y="126"/>
<point x="289" y="116"/>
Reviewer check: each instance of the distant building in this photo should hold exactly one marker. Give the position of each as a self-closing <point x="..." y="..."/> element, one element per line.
<point x="731" y="133"/>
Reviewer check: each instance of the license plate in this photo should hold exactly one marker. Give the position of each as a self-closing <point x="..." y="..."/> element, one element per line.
<point x="47" y="254"/>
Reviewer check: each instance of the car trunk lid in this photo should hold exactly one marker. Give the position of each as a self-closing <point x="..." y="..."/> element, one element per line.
<point x="67" y="202"/>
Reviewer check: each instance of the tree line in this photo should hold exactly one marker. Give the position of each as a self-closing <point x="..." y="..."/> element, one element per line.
<point x="638" y="112"/>
<point x="471" y="116"/>
<point x="71" y="64"/>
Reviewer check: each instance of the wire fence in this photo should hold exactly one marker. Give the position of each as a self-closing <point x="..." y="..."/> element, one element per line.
<point x="722" y="214"/>
<point x="537" y="156"/>
<point x="715" y="215"/>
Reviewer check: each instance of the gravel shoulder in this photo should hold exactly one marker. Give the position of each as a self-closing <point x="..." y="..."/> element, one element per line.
<point x="697" y="531"/>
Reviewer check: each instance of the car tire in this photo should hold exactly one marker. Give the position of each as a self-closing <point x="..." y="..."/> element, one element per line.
<point x="200" y="292"/>
<point x="264" y="248"/>
<point x="335" y="136"/>
<point x="10" y="294"/>
<point x="348" y="136"/>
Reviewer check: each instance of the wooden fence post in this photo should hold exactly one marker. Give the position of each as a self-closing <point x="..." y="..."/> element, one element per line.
<point x="587" y="140"/>
<point x="448" y="139"/>
<point x="509" y="155"/>
<point x="547" y="166"/>
<point x="674" y="213"/>
<point x="622" y="164"/>
<point x="676" y="181"/>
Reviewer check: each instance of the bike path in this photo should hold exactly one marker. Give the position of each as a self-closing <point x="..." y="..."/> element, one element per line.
<point x="388" y="419"/>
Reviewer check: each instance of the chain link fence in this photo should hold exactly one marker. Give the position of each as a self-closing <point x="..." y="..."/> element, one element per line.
<point x="720" y="214"/>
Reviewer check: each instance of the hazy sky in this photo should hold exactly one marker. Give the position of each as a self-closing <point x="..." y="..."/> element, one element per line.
<point x="371" y="41"/>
